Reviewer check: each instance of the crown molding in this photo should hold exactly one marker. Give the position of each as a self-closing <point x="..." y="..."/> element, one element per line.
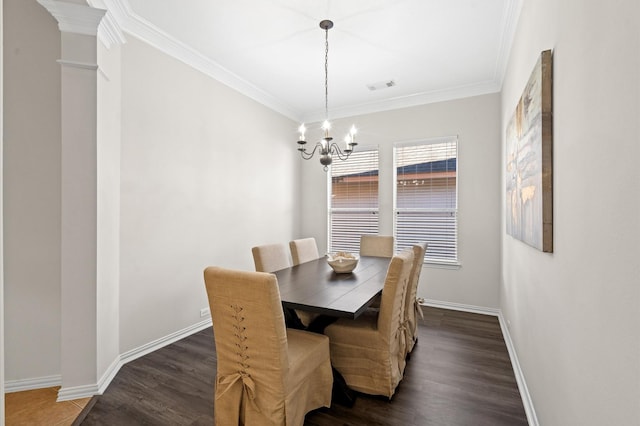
<point x="510" y="17"/>
<point x="142" y="29"/>
<point x="74" y="18"/>
<point x="412" y="100"/>
<point x="120" y="17"/>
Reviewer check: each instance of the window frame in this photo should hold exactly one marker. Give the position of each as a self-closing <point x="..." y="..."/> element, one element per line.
<point x="330" y="210"/>
<point x="453" y="263"/>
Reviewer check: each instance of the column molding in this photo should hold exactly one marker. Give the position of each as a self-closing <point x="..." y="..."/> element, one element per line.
<point x="74" y="18"/>
<point x="83" y="19"/>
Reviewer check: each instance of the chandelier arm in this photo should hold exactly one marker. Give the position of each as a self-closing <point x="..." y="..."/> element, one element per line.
<point x="308" y="155"/>
<point x="342" y="155"/>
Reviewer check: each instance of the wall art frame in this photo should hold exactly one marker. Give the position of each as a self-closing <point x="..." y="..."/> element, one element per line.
<point x="529" y="160"/>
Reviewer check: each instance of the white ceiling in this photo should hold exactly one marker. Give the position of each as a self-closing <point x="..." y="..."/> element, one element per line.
<point x="273" y="50"/>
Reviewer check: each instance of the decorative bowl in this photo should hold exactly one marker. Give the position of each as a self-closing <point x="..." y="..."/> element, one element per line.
<point x="342" y="262"/>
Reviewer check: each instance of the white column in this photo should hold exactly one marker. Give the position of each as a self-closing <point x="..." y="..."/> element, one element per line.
<point x="78" y="24"/>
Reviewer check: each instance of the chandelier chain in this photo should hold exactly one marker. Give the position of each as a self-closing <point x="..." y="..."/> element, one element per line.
<point x="325" y="147"/>
<point x="326" y="73"/>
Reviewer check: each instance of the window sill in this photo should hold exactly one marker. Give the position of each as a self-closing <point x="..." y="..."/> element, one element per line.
<point x="442" y="265"/>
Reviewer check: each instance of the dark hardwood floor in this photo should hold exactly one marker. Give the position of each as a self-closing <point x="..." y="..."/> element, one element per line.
<point x="459" y="374"/>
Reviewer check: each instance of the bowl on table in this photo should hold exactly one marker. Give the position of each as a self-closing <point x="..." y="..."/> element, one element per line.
<point x="342" y="262"/>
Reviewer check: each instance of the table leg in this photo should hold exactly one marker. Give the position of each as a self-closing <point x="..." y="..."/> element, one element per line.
<point x="291" y="319"/>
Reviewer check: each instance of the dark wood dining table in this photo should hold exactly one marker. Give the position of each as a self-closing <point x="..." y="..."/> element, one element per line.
<point x="313" y="286"/>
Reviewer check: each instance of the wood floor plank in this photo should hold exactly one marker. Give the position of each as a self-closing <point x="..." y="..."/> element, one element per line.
<point x="459" y="374"/>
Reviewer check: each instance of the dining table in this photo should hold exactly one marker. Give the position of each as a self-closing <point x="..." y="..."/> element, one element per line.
<point x="314" y="287"/>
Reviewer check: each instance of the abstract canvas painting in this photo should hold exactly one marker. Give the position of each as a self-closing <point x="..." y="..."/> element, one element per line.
<point x="529" y="143"/>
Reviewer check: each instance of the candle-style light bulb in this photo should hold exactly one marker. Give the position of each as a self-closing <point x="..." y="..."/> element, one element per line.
<point x="347" y="142"/>
<point x="302" y="130"/>
<point x="352" y="133"/>
<point x="326" y="126"/>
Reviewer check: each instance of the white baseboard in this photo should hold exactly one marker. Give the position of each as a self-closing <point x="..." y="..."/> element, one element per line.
<point x="163" y="341"/>
<point x="86" y="391"/>
<point x="522" y="384"/>
<point x="34" y="383"/>
<point x="532" y="419"/>
<point x="77" y="392"/>
<point x="461" y="307"/>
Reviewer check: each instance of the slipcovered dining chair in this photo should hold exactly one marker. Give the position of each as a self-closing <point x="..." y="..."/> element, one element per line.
<point x="376" y="245"/>
<point x="303" y="250"/>
<point x="271" y="257"/>
<point x="266" y="374"/>
<point x="412" y="308"/>
<point x="369" y="352"/>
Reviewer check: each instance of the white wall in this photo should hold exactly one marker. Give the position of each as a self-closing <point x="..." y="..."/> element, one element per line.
<point x="575" y="314"/>
<point x="206" y="174"/>
<point x="108" y="220"/>
<point x="32" y="191"/>
<point x="476" y="122"/>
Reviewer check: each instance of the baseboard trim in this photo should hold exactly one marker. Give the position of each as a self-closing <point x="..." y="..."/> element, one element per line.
<point x="163" y="341"/>
<point x="529" y="409"/>
<point x="85" y="391"/>
<point x="461" y="307"/>
<point x="77" y="392"/>
<point x="31" y="384"/>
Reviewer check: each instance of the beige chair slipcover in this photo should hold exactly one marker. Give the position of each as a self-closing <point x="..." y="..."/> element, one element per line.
<point x="274" y="257"/>
<point x="376" y="245"/>
<point x="266" y="374"/>
<point x="369" y="351"/>
<point x="271" y="257"/>
<point x="303" y="250"/>
<point x="412" y="308"/>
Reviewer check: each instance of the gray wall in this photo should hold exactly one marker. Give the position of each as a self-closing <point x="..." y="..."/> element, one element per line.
<point x="476" y="122"/>
<point x="575" y="314"/>
<point x="206" y="174"/>
<point x="32" y="191"/>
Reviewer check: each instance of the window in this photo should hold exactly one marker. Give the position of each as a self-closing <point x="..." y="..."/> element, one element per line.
<point x="426" y="197"/>
<point x="353" y="203"/>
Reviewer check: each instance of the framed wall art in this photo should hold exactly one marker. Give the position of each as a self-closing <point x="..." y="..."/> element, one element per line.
<point x="529" y="165"/>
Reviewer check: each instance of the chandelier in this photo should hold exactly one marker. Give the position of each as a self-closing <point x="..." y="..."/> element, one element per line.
<point x="325" y="147"/>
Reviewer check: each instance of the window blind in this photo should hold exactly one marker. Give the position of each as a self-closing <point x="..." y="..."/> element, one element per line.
<point x="426" y="197"/>
<point x="353" y="204"/>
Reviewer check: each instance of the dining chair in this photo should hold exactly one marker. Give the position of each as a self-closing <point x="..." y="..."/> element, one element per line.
<point x="369" y="351"/>
<point x="412" y="308"/>
<point x="376" y="245"/>
<point x="271" y="257"/>
<point x="266" y="374"/>
<point x="274" y="257"/>
<point x="303" y="250"/>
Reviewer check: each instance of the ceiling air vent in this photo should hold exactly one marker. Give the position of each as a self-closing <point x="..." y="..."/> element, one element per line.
<point x="381" y="85"/>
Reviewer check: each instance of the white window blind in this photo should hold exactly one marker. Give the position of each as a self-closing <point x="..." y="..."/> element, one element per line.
<point x="353" y="204"/>
<point x="426" y="197"/>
